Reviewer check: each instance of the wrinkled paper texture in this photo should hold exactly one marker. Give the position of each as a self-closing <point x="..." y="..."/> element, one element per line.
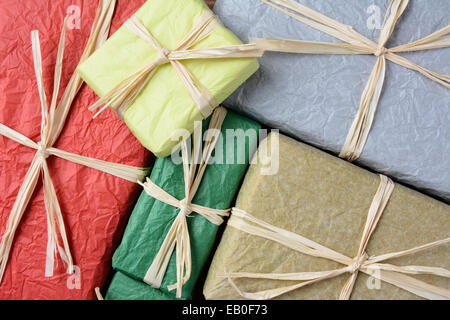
<point x="94" y="205"/>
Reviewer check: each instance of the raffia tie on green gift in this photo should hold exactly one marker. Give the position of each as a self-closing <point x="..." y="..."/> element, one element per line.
<point x="178" y="234"/>
<point x="362" y="262"/>
<point x="122" y="96"/>
<point x="356" y="43"/>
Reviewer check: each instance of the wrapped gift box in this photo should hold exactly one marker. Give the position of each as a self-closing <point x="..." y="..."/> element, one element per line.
<point x="326" y="200"/>
<point x="123" y="287"/>
<point x="315" y="97"/>
<point x="164" y="104"/>
<point x="151" y="219"/>
<point x="95" y="205"/>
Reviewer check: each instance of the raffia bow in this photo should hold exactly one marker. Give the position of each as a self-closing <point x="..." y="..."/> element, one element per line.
<point x="356" y="43"/>
<point x="178" y="234"/>
<point x="121" y="97"/>
<point x="53" y="120"/>
<point x="362" y="262"/>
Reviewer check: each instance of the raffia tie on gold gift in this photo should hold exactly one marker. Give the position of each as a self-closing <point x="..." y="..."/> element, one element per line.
<point x="362" y="262"/>
<point x="178" y="234"/>
<point x="122" y="96"/>
<point x="355" y="43"/>
<point x="53" y="120"/>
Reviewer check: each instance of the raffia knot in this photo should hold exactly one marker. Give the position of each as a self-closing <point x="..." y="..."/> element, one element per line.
<point x="163" y="57"/>
<point x="380" y="51"/>
<point x="359" y="262"/>
<point x="185" y="207"/>
<point x="42" y="150"/>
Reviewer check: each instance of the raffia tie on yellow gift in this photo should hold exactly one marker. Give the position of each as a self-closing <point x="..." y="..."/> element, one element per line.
<point x="356" y="43"/>
<point x="122" y="96"/>
<point x="53" y="120"/>
<point x="373" y="265"/>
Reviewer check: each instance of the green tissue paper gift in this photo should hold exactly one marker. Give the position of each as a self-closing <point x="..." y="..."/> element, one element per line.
<point x="153" y="221"/>
<point x="168" y="66"/>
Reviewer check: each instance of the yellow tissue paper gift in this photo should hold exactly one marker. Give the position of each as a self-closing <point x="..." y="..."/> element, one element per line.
<point x="169" y="65"/>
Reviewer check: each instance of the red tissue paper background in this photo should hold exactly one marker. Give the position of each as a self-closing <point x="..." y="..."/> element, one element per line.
<point x="95" y="205"/>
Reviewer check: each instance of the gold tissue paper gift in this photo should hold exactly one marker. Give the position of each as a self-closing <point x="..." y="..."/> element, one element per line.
<point x="169" y="65"/>
<point x="319" y="206"/>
